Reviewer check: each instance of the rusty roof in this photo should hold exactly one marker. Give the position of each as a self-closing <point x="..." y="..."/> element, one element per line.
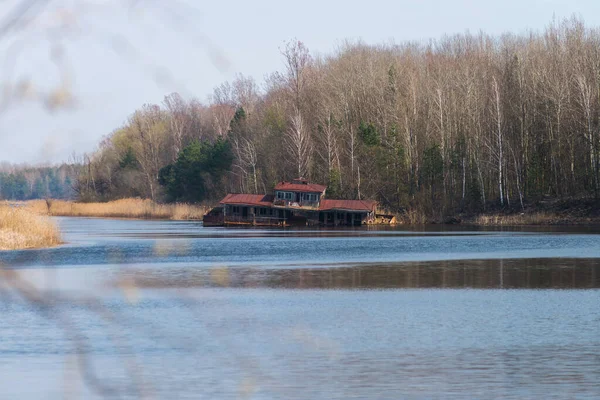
<point x="261" y="200"/>
<point x="350" y="205"/>
<point x="248" y="199"/>
<point x="300" y="187"/>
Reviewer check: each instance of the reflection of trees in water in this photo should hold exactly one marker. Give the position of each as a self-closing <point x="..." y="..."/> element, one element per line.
<point x="125" y="322"/>
<point x="95" y="325"/>
<point x="484" y="274"/>
<point x="58" y="309"/>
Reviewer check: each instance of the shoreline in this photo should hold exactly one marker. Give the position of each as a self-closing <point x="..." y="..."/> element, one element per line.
<point x="130" y="208"/>
<point x="40" y="247"/>
<point x="554" y="212"/>
<point x="549" y="212"/>
<point x="469" y="221"/>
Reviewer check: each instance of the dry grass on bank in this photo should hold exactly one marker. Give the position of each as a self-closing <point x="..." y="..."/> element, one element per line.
<point x="20" y="228"/>
<point x="536" y="218"/>
<point x="414" y="217"/>
<point x="124" y="208"/>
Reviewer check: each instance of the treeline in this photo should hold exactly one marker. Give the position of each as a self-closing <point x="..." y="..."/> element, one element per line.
<point x="26" y="183"/>
<point x="455" y="124"/>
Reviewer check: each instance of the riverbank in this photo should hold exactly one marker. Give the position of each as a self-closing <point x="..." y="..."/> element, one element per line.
<point x="544" y="212"/>
<point x="21" y="228"/>
<point x="124" y="208"/>
<point x="574" y="211"/>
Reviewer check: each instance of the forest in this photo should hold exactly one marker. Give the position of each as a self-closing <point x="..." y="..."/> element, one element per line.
<point x="27" y="182"/>
<point x="465" y="122"/>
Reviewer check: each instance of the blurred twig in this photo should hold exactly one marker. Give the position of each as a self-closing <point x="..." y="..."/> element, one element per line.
<point x="23" y="11"/>
<point x="47" y="304"/>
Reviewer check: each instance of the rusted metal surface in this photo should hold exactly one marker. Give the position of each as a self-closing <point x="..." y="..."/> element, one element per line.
<point x="260" y="200"/>
<point x="302" y="205"/>
<point x="347" y="205"/>
<point x="300" y="187"/>
<point x="213" y="220"/>
<point x="214" y="217"/>
<point x="253" y="221"/>
<point x="325" y="204"/>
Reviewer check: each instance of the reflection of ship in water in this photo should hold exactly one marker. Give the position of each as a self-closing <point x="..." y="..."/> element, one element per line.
<point x="479" y="274"/>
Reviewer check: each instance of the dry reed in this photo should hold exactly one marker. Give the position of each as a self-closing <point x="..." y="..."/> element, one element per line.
<point x="536" y="218"/>
<point x="124" y="208"/>
<point x="415" y="217"/>
<point x="20" y="228"/>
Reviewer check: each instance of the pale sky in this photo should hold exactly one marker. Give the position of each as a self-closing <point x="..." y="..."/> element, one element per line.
<point x="115" y="56"/>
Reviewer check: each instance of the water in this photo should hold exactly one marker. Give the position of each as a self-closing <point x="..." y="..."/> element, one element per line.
<point x="149" y="309"/>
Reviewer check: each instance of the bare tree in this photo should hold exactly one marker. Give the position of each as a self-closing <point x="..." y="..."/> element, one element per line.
<point x="149" y="127"/>
<point x="245" y="93"/>
<point x="299" y="144"/>
<point x="247" y="161"/>
<point x="328" y="147"/>
<point x="297" y="60"/>
<point x="179" y="121"/>
<point x="499" y="138"/>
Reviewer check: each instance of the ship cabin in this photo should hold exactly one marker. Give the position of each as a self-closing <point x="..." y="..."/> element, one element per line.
<point x="299" y="193"/>
<point x="297" y="202"/>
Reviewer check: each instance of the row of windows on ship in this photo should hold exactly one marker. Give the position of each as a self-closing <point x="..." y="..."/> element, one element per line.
<point x="291" y="196"/>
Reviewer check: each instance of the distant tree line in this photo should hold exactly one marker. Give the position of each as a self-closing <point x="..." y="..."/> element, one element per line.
<point x="455" y="124"/>
<point x="26" y="183"/>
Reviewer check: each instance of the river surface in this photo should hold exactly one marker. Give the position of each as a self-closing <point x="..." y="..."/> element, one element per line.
<point x="173" y="310"/>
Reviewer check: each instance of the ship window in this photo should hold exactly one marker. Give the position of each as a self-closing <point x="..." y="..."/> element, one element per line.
<point x="288" y="195"/>
<point x="236" y="210"/>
